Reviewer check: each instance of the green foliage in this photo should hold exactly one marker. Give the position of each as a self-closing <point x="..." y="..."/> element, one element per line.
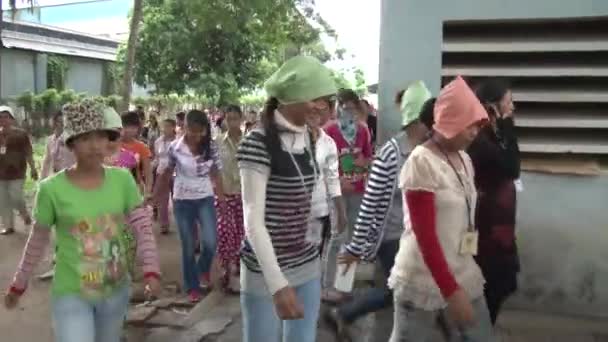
<point x="26" y="100"/>
<point x="56" y="71"/>
<point x="114" y="101"/>
<point x="50" y="100"/>
<point x="360" y="84"/>
<point x="112" y="77"/>
<point x="67" y="96"/>
<point x="341" y="80"/>
<point x="252" y="100"/>
<point x="222" y="49"/>
<point x="139" y="101"/>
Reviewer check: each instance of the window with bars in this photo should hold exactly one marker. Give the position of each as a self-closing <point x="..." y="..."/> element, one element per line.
<point x="558" y="69"/>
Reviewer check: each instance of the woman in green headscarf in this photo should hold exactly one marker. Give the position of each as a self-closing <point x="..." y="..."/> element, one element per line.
<point x="281" y="270"/>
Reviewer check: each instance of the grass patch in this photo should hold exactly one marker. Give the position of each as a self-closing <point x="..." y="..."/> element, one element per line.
<point x="38" y="146"/>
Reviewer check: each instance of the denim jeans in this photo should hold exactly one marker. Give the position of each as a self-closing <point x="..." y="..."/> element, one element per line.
<point x="261" y="323"/>
<point x="412" y="324"/>
<point x="78" y="320"/>
<point x="187" y="214"/>
<point x="373" y="299"/>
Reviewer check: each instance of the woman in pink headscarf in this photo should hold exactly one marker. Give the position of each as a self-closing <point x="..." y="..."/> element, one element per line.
<point x="434" y="271"/>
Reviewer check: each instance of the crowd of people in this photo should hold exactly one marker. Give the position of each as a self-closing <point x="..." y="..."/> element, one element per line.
<point x="272" y="206"/>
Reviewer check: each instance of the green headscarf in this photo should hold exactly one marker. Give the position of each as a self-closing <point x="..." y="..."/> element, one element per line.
<point x="300" y="79"/>
<point x="111" y="118"/>
<point x="411" y="103"/>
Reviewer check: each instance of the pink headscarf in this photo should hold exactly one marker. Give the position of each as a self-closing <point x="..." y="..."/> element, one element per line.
<point x="457" y="108"/>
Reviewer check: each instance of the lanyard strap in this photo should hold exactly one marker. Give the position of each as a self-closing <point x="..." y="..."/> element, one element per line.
<point x="297" y="166"/>
<point x="466" y="196"/>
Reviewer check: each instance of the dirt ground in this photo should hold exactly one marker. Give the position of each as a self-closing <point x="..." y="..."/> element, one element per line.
<point x="31" y="321"/>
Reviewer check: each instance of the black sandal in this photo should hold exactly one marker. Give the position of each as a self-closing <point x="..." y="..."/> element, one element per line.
<point x="7" y="231"/>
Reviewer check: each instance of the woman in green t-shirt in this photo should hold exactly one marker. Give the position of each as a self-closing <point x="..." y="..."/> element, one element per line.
<point x="89" y="206"/>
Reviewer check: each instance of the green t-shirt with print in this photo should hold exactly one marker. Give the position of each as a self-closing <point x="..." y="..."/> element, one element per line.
<point x="89" y="227"/>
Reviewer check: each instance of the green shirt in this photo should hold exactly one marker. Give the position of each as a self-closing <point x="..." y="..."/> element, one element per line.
<point x="89" y="227"/>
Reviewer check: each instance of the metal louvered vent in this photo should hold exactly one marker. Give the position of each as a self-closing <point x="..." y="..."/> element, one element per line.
<point x="558" y="69"/>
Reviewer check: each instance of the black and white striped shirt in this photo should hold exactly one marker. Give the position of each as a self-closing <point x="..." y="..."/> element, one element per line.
<point x="380" y="215"/>
<point x="288" y="202"/>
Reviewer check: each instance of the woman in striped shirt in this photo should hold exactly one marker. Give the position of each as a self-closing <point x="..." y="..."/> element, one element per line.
<point x="280" y="268"/>
<point x="379" y="224"/>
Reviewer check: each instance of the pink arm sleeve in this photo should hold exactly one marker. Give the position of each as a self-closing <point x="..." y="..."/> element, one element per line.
<point x="140" y="221"/>
<point x="39" y="239"/>
<point x="46" y="162"/>
<point x="367" y="149"/>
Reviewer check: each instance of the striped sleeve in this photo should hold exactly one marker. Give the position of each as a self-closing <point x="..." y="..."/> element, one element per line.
<point x="252" y="152"/>
<point x="215" y="155"/>
<point x="39" y="239"/>
<point x="375" y="204"/>
<point x="140" y="221"/>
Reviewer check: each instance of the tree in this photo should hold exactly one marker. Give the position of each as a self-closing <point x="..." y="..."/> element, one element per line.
<point x="360" y="84"/>
<point x="222" y="48"/>
<point x="127" y="83"/>
<point x="342" y="81"/>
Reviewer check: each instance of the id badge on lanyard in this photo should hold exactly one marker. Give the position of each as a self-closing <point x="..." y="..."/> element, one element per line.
<point x="3" y="150"/>
<point x="470" y="239"/>
<point x="469" y="243"/>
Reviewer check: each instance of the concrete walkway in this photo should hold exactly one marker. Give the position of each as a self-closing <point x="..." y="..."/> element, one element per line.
<point x="514" y="326"/>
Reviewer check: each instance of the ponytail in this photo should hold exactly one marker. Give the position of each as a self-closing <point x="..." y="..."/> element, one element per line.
<point x="198" y="117"/>
<point x="271" y="136"/>
<point x="272" y="140"/>
<point x="399" y="97"/>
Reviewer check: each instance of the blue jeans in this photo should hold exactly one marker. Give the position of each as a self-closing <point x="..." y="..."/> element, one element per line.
<point x="261" y="323"/>
<point x="413" y="324"/>
<point x="373" y="299"/>
<point x="187" y="214"/>
<point x="79" y="320"/>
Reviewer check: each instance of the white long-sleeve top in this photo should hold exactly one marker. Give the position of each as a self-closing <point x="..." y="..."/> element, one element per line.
<point x="328" y="184"/>
<point x="286" y="258"/>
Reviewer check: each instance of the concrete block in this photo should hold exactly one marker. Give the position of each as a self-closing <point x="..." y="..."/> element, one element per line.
<point x="139" y="314"/>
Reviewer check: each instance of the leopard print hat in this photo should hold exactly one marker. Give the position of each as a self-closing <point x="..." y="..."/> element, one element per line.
<point x="84" y="117"/>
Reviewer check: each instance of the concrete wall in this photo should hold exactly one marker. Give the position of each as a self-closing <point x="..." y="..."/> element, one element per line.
<point x="563" y="221"/>
<point x="26" y="70"/>
<point x="85" y="75"/>
<point x="17" y="73"/>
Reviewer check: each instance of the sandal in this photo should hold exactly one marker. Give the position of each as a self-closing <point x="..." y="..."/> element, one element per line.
<point x="7" y="231"/>
<point x="333" y="297"/>
<point x="339" y="326"/>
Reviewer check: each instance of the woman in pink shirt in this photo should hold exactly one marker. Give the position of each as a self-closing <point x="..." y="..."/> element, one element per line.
<point x="354" y="145"/>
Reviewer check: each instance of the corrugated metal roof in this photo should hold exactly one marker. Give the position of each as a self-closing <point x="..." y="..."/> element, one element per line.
<point x="64" y="42"/>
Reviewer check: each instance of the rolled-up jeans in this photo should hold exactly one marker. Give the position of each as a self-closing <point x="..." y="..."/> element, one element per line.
<point x="261" y="323"/>
<point x="413" y="324"/>
<point x="79" y="320"/>
<point x="11" y="199"/>
<point x="187" y="214"/>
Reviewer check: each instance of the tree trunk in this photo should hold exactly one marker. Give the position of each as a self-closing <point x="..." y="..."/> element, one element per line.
<point x="1" y="43"/>
<point x="127" y="85"/>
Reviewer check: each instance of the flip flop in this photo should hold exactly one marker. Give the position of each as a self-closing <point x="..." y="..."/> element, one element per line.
<point x="7" y="231"/>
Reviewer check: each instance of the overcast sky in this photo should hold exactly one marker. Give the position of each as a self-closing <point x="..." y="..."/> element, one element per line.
<point x="357" y="23"/>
